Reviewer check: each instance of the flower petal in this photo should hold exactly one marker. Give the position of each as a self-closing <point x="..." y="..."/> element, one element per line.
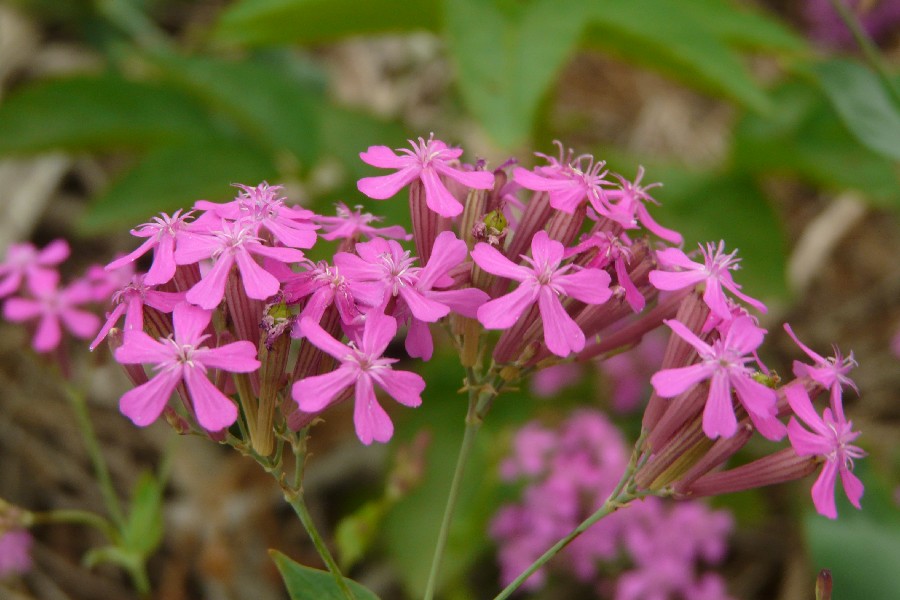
<point x="236" y="357"/>
<point x="561" y="334"/>
<point x="314" y="394"/>
<point x="503" y="312"/>
<point x="145" y="403"/>
<point x="214" y="410"/>
<point x="369" y="418"/>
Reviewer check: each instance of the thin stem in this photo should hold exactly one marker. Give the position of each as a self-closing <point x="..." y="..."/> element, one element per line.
<point x="89" y="436"/>
<point x="868" y="47"/>
<point x="480" y="398"/>
<point x="76" y="517"/>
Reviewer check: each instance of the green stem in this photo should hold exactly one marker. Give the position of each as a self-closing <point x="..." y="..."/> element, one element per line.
<point x="76" y="517"/>
<point x="480" y="398"/>
<point x="868" y="47"/>
<point x="93" y="448"/>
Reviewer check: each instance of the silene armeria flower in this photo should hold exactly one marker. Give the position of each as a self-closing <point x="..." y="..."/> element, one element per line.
<point x="831" y="439"/>
<point x="353" y="224"/>
<point x="714" y="272"/>
<point x="724" y="365"/>
<point x="183" y="357"/>
<point x="361" y="366"/>
<point x="130" y="301"/>
<point x="830" y="373"/>
<point x="24" y="262"/>
<point x="543" y="280"/>
<point x="427" y="161"/>
<point x="569" y="183"/>
<point x="161" y="233"/>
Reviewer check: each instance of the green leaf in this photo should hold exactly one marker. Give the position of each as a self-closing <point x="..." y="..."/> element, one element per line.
<point x="305" y="583"/>
<point x="267" y="22"/>
<point x="143" y="530"/>
<point x="355" y="533"/>
<point x="744" y="27"/>
<point x="863" y="104"/>
<point x="268" y="103"/>
<point x="90" y="113"/>
<point x="662" y="36"/>
<point x="173" y="177"/>
<point x="508" y="57"/>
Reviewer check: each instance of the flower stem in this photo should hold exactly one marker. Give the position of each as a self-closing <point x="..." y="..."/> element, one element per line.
<point x="74" y="516"/>
<point x="480" y="398"/>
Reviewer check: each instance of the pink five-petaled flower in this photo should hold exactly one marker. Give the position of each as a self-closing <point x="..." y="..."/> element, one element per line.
<point x="53" y="305"/>
<point x="233" y="243"/>
<point x="714" y="271"/>
<point x="830" y="373"/>
<point x="543" y="281"/>
<point x="569" y="184"/>
<point x="161" y="234"/>
<point x="130" y="301"/>
<point x="362" y="366"/>
<point x="24" y="261"/>
<point x="830" y="438"/>
<point x="627" y="205"/>
<point x="353" y="224"/>
<point x="427" y="161"/>
<point x="724" y="365"/>
<point x="183" y="357"/>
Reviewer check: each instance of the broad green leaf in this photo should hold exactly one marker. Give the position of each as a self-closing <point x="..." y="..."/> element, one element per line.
<point x="744" y="27"/>
<point x="863" y="104"/>
<point x="806" y="138"/>
<point x="269" y="104"/>
<point x="173" y="177"/>
<point x="97" y="112"/>
<point x="267" y="22"/>
<point x="144" y="528"/>
<point x="661" y="35"/>
<point x="305" y="583"/>
<point x="507" y="57"/>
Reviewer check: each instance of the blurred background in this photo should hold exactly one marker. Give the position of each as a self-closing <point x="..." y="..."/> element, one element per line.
<point x="767" y="124"/>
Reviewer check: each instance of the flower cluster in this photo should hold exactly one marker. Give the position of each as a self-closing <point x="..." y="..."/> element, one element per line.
<point x="569" y="471"/>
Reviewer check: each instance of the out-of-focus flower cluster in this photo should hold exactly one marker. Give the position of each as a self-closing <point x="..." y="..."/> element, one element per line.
<point x="653" y="549"/>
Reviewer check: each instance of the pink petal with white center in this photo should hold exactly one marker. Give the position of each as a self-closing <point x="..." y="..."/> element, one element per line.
<point x="718" y="415"/>
<point x="145" y="403"/>
<point x="437" y="196"/>
<point x="48" y="334"/>
<point x="379" y="330"/>
<point x="209" y="291"/>
<point x="385" y="158"/>
<point x="448" y="251"/>
<point x="479" y="180"/>
<point x="419" y="343"/>
<point x="823" y="490"/>
<point x="403" y="386"/>
<point x="806" y="443"/>
<point x="189" y="323"/>
<point x="258" y="283"/>
<point x="371" y="421"/>
<point x="503" y="312"/>
<point x="853" y="487"/>
<point x="464" y="302"/>
<point x="214" y="410"/>
<point x="319" y="338"/>
<point x="561" y="334"/>
<point x="236" y="357"/>
<point x="163" y="268"/>
<point x="21" y="309"/>
<point x="81" y="323"/>
<point x="315" y="393"/>
<point x="668" y="383"/>
<point x="492" y="261"/>
<point x="590" y="286"/>
<point x="386" y="186"/>
<point x="423" y="308"/>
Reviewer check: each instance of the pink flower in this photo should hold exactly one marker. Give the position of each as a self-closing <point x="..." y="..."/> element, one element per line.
<point x="627" y="206"/>
<point x="183" y="357"/>
<point x="233" y="243"/>
<point x="130" y="301"/>
<point x="427" y="162"/>
<point x="830" y="438"/>
<point x="54" y="306"/>
<point x="361" y="366"/>
<point x="24" y="261"/>
<point x="15" y="552"/>
<point x="724" y="365"/>
<point x="544" y="281"/>
<point x="161" y="234"/>
<point x="570" y="183"/>
<point x="830" y="373"/>
<point x="616" y="250"/>
<point x="324" y="285"/>
<point x="714" y="272"/>
<point x="353" y="224"/>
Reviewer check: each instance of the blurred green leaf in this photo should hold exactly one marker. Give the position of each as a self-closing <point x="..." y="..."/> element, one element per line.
<point x="172" y="177"/>
<point x="305" y="583"/>
<point x="744" y="27"/>
<point x="356" y="532"/>
<point x="265" y="22"/>
<point x="805" y="138"/>
<point x="661" y="35"/>
<point x="507" y="55"/>
<point x="863" y="104"/>
<point x="97" y="112"/>
<point x="143" y="530"/>
<point x="268" y="103"/>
